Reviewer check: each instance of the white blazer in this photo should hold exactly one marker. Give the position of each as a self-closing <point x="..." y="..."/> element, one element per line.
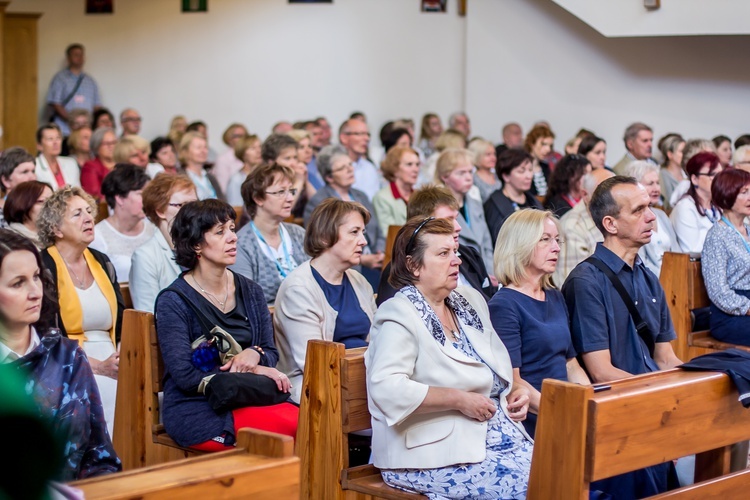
<point x="302" y="313"/>
<point x="68" y="166"/>
<point x="152" y="269"/>
<point x="403" y="360"/>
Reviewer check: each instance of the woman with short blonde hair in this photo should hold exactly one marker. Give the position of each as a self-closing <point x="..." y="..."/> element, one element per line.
<point x="528" y="313"/>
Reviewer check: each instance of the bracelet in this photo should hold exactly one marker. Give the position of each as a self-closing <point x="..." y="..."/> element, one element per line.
<point x="258" y="349"/>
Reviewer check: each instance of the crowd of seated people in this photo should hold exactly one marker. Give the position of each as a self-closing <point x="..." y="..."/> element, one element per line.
<point x="480" y="271"/>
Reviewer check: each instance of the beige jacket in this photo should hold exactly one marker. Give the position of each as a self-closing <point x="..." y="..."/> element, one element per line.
<point x="302" y="313"/>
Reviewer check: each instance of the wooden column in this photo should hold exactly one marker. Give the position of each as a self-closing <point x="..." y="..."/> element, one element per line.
<point x="20" y="108"/>
<point x="3" y="72"/>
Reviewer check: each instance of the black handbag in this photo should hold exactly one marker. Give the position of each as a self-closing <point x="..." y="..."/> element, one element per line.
<point x="227" y="391"/>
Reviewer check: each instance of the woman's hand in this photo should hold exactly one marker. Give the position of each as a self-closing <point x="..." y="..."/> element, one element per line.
<point x="476" y="406"/>
<point x="518" y="403"/>
<point x="373" y="260"/>
<point x="107" y="368"/>
<point x="246" y="361"/>
<point x="282" y="381"/>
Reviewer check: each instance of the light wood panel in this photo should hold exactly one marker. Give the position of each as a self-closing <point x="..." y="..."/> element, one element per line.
<point x="20" y="80"/>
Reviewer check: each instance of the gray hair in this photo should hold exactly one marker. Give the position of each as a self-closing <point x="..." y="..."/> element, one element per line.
<point x="326" y="157"/>
<point x="98" y="137"/>
<point x="741" y="154"/>
<point x="638" y="169"/>
<point x="695" y="146"/>
<point x="632" y="131"/>
<point x="452" y="118"/>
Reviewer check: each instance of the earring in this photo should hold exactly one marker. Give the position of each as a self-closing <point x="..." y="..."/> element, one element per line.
<point x="198" y="255"/>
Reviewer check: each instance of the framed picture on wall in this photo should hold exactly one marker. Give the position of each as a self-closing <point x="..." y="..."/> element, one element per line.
<point x="434" y="5"/>
<point x="99" y="6"/>
<point x="194" y="5"/>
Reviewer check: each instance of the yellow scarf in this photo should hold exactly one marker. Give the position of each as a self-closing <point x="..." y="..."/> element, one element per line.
<point x="71" y="311"/>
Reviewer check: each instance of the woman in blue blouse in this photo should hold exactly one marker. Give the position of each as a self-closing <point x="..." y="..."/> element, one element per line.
<point x="325" y="298"/>
<point x="726" y="258"/>
<point x="528" y="314"/>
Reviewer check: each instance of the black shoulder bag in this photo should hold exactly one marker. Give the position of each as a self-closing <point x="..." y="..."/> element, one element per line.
<point x="640" y="326"/>
<point x="53" y="112"/>
<point x="227" y="391"/>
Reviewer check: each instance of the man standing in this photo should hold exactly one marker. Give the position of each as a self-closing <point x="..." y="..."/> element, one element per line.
<point x="603" y="330"/>
<point x="71" y="88"/>
<point x="130" y="121"/>
<point x="354" y="136"/>
<point x="639" y="140"/>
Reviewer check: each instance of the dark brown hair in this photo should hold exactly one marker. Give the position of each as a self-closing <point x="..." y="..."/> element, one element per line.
<point x="403" y="265"/>
<point x="22" y="199"/>
<point x="259" y="180"/>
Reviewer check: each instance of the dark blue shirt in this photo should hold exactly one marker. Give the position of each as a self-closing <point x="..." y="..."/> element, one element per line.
<point x="600" y="320"/>
<point x="536" y="334"/>
<point x="352" y="324"/>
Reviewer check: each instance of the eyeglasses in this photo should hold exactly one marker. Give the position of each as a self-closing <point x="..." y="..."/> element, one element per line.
<point x="547" y="241"/>
<point x="358" y="133"/>
<point x="708" y="174"/>
<point x="343" y="167"/>
<point x="179" y="205"/>
<point x="131" y="119"/>
<point x="410" y="243"/>
<point x="283" y="193"/>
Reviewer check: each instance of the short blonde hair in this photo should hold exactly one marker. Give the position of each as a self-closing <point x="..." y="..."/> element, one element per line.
<point x="389" y="167"/>
<point x="298" y="134"/>
<point x="187" y="138"/>
<point x="449" y="160"/>
<point x="478" y="147"/>
<point x="52" y="213"/>
<point x="128" y="145"/>
<point x="450" y="138"/>
<point x="516" y="243"/>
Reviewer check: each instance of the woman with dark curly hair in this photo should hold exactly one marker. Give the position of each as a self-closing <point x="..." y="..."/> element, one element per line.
<point x="205" y="243"/>
<point x="566" y="184"/>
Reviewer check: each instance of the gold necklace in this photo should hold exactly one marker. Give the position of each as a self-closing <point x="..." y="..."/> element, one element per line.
<point x="80" y="282"/>
<point x="212" y="296"/>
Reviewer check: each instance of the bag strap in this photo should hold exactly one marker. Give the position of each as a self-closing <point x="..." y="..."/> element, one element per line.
<point x="641" y="327"/>
<point x="73" y="92"/>
<point x="206" y="325"/>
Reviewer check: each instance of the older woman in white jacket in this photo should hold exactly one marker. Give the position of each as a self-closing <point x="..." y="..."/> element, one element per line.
<point x="325" y="298"/>
<point x="445" y="413"/>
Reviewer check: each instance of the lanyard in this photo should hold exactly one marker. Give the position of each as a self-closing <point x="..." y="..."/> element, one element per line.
<point x="287" y="257"/>
<point x="726" y="221"/>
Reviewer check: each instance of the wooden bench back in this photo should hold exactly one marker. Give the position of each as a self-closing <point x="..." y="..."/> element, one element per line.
<point x="139" y="438"/>
<point x="389" y="241"/>
<point x="102" y="212"/>
<point x="262" y="466"/>
<point x="334" y="404"/>
<point x="125" y="291"/>
<point x="682" y="280"/>
<point x="584" y="436"/>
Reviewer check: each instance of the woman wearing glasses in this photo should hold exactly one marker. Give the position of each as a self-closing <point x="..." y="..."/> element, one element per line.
<point x="445" y="409"/>
<point x="695" y="213"/>
<point x="325" y="298"/>
<point x="153" y="265"/>
<point x="528" y="313"/>
<point x="268" y="249"/>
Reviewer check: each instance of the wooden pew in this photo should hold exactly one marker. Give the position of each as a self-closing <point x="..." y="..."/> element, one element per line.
<point x="682" y="280"/>
<point x="139" y="437"/>
<point x="102" y="212"/>
<point x="334" y="404"/>
<point x="584" y="435"/>
<point x="125" y="291"/>
<point x="263" y="466"/>
<point x="389" y="241"/>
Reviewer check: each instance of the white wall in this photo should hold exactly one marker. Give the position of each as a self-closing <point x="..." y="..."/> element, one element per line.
<point x="530" y="59"/>
<point x="258" y="61"/>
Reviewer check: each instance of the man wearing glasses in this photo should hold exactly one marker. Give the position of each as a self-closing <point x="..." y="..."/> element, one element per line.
<point x="354" y="136"/>
<point x="130" y="121"/>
